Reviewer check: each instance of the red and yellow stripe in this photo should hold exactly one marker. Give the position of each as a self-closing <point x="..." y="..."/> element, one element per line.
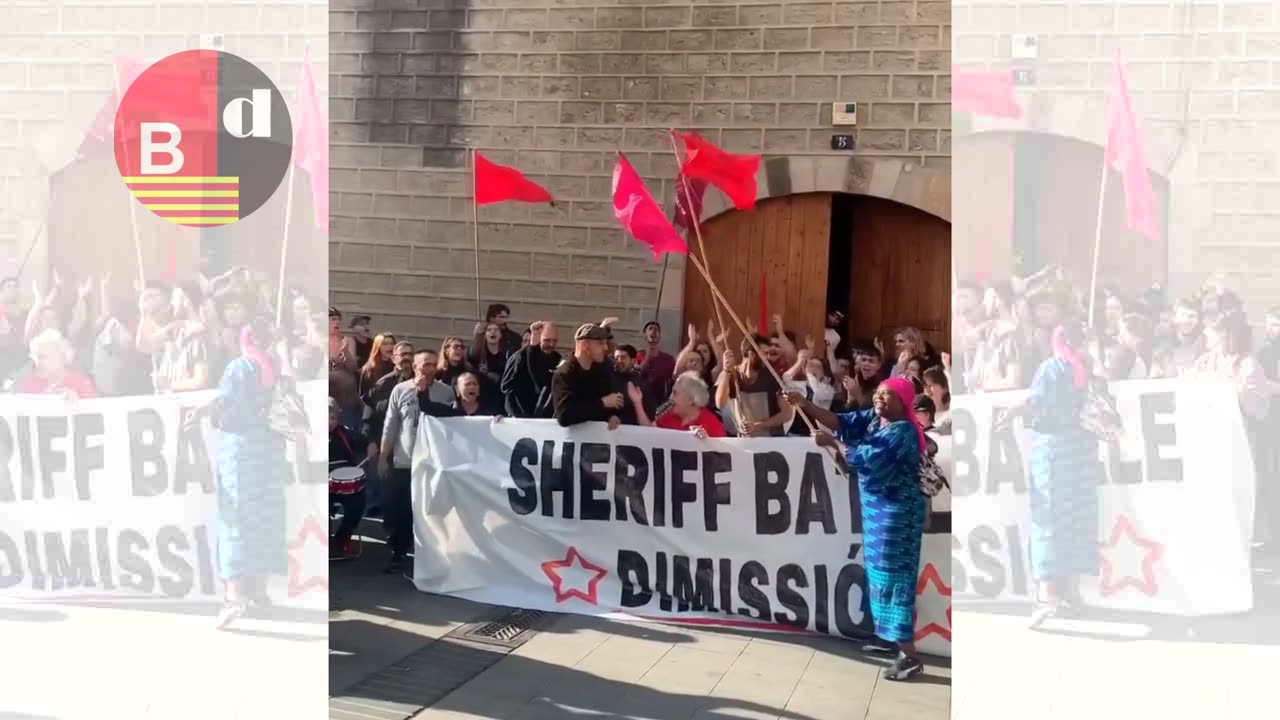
<point x="190" y="201"/>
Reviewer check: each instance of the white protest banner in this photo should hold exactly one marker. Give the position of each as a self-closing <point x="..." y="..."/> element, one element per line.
<point x="1175" y="512"/>
<point x="653" y="524"/>
<point x="115" y="499"/>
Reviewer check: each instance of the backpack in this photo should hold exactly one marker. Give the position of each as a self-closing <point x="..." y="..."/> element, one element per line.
<point x="1098" y="414"/>
<point x="932" y="478"/>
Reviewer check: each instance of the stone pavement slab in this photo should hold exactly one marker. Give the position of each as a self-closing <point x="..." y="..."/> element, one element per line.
<point x="1224" y="668"/>
<point x="583" y="667"/>
<point x="74" y="662"/>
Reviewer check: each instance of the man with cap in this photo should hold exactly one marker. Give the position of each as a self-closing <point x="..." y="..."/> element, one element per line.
<point x="581" y="388"/>
<point x="347" y="448"/>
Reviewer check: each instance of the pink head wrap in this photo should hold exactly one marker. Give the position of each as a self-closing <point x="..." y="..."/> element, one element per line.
<point x="1063" y="352"/>
<point x="906" y="393"/>
<point x="266" y="372"/>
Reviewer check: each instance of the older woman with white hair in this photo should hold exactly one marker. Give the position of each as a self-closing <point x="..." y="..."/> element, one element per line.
<point x="689" y="400"/>
<point x="51" y="371"/>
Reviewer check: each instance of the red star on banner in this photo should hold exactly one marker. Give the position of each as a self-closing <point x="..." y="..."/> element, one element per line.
<point x="552" y="569"/>
<point x="311" y="528"/>
<point x="930" y="576"/>
<point x="1153" y="551"/>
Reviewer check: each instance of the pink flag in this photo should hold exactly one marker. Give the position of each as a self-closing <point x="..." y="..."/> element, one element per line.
<point x="100" y="134"/>
<point x="640" y="215"/>
<point x="1124" y="153"/>
<point x="689" y="204"/>
<point x="984" y="93"/>
<point x="311" y="142"/>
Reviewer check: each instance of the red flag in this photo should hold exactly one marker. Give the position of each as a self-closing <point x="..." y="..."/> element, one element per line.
<point x="499" y="183"/>
<point x="1124" y="153"/>
<point x="984" y="93"/>
<point x="762" y="328"/>
<point x="311" y="143"/>
<point x="689" y="204"/>
<point x="735" y="175"/>
<point x="640" y="215"/>
<point x="100" y="134"/>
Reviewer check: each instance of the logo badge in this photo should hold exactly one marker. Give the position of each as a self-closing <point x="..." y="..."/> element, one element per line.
<point x="203" y="138"/>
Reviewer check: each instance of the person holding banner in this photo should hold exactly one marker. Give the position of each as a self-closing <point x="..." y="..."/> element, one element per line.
<point x="1065" y="475"/>
<point x="251" y="471"/>
<point x="883" y="446"/>
<point x="689" y="399"/>
<point x="51" y="371"/>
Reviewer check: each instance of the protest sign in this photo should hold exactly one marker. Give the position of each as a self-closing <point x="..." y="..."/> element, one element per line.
<point x="1175" y="511"/>
<point x="653" y="524"/>
<point x="116" y="499"/>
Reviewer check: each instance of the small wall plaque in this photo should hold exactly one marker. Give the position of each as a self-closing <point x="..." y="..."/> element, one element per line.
<point x="841" y="142"/>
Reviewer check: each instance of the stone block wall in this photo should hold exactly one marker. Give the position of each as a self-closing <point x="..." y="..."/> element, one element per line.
<point x="1205" y="78"/>
<point x="555" y="87"/>
<point x="56" y="68"/>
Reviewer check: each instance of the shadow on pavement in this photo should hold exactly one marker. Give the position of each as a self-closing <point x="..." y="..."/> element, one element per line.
<point x="378" y="616"/>
<point x="270" y="614"/>
<point x="1261" y="626"/>
<point x="30" y="615"/>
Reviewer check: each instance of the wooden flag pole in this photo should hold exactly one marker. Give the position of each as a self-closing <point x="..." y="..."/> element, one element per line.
<point x="133" y="211"/>
<point x="1097" y="242"/>
<point x="697" y="226"/>
<point x="718" y="299"/>
<point x="662" y="282"/>
<point x="284" y="245"/>
<point x="475" y="231"/>
<point x="750" y="339"/>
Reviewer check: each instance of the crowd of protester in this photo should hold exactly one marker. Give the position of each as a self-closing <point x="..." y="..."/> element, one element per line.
<point x="218" y="333"/>
<point x="86" y="342"/>
<point x="867" y="398"/>
<point x="1042" y="333"/>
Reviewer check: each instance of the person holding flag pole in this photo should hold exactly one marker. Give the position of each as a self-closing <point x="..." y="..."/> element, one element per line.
<point x="735" y="176"/>
<point x="311" y="153"/>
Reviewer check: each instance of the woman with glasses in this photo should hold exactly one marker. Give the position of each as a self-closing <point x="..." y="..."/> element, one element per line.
<point x="938" y="388"/>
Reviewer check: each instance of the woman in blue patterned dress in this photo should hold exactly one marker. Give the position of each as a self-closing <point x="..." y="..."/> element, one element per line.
<point x="1065" y="475"/>
<point x="883" y="446"/>
<point x="251" y="471"/>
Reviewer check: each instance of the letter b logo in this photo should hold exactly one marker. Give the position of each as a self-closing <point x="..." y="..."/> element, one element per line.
<point x="203" y="138"/>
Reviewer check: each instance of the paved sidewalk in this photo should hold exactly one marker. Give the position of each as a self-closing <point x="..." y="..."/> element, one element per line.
<point x="582" y="667"/>
<point x="1111" y="666"/>
<point x="74" y="662"/>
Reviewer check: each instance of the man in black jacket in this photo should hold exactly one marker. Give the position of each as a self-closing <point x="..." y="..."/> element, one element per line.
<point x="581" y="388"/>
<point x="625" y="371"/>
<point x="527" y="377"/>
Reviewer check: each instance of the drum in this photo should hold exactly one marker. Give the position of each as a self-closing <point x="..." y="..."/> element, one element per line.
<point x="346" y="481"/>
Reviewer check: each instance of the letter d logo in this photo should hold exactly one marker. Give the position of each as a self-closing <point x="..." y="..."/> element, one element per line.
<point x="203" y="138"/>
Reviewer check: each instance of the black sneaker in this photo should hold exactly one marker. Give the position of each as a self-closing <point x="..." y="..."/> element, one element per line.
<point x="396" y="565"/>
<point x="878" y="647"/>
<point x="903" y="668"/>
<point x="1042" y="613"/>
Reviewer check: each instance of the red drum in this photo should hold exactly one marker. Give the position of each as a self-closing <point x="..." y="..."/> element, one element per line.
<point x="346" y="481"/>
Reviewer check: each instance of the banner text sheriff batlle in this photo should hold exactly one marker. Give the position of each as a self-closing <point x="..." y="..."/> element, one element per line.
<point x="751" y="532"/>
<point x="112" y="496"/>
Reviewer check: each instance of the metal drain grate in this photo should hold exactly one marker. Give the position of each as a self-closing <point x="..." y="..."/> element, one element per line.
<point x="509" y="631"/>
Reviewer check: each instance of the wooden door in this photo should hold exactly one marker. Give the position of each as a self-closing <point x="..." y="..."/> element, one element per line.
<point x="983" y="206"/>
<point x="900" y="274"/>
<point x="1065" y="178"/>
<point x="783" y="244"/>
<point x="90" y="233"/>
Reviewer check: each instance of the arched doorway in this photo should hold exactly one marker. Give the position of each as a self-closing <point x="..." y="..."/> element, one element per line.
<point x="1030" y="199"/>
<point x="884" y="263"/>
<point x="89" y="208"/>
